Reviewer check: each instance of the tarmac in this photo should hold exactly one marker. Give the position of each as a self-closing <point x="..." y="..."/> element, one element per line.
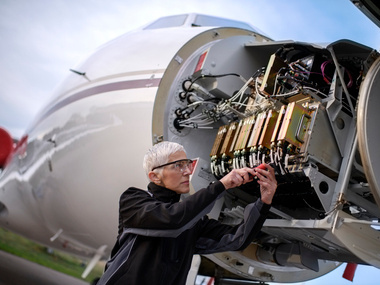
<point x="18" y="271"/>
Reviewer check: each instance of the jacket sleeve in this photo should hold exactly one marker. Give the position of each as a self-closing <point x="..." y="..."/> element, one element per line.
<point x="144" y="215"/>
<point x="216" y="237"/>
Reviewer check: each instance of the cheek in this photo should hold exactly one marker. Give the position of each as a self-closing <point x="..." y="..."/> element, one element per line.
<point x="171" y="180"/>
<point x="176" y="181"/>
<point x="177" y="185"/>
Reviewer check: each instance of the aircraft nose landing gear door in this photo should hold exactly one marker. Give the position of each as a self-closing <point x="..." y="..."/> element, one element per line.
<point x="368" y="128"/>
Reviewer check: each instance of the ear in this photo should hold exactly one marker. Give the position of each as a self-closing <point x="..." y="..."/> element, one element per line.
<point x="154" y="177"/>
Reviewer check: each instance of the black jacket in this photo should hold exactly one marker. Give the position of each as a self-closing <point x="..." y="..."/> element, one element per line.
<point x="158" y="235"/>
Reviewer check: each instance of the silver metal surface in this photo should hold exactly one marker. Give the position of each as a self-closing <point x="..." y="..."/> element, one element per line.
<point x="368" y="128"/>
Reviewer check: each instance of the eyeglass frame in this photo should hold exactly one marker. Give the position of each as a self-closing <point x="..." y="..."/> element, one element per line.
<point x="190" y="161"/>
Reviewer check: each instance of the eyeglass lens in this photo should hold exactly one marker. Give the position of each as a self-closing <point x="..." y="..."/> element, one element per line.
<point x="182" y="165"/>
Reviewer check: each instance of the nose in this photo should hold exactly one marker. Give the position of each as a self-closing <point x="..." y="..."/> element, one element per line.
<point x="187" y="170"/>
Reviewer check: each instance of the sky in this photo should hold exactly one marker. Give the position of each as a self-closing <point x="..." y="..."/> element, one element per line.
<point x="41" y="40"/>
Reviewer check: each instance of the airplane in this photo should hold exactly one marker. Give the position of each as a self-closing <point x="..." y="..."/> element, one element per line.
<point x="309" y="110"/>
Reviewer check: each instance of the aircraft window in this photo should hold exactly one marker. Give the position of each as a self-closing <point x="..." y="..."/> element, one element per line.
<point x="167" y="22"/>
<point x="202" y="20"/>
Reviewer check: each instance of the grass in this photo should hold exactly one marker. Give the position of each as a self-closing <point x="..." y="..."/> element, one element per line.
<point x="57" y="260"/>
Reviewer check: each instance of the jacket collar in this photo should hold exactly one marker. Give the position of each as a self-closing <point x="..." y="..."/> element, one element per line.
<point x="163" y="194"/>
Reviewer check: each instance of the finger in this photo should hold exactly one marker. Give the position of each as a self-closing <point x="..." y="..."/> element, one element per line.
<point x="268" y="186"/>
<point x="240" y="175"/>
<point x="238" y="178"/>
<point x="269" y="168"/>
<point x="269" y="173"/>
<point x="262" y="171"/>
<point x="262" y="174"/>
<point x="247" y="177"/>
<point x="264" y="184"/>
<point x="251" y="174"/>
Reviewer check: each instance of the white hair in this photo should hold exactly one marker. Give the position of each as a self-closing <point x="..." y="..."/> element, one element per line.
<point x="159" y="154"/>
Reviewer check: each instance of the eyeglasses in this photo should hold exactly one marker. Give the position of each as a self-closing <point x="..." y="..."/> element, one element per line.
<point x="179" y="165"/>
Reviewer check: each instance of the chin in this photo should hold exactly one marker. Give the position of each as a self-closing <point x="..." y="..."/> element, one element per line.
<point x="183" y="191"/>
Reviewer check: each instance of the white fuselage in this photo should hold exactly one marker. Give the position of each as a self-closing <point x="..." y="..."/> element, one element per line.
<point x="87" y="146"/>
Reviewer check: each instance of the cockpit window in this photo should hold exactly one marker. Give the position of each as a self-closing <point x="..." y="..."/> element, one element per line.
<point x="196" y="20"/>
<point x="167" y="22"/>
<point x="205" y="21"/>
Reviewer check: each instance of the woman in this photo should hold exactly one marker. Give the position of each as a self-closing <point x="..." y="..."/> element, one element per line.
<point x="158" y="233"/>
